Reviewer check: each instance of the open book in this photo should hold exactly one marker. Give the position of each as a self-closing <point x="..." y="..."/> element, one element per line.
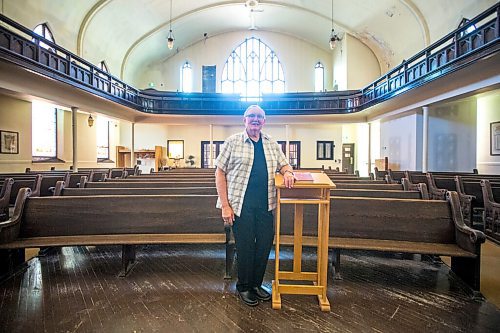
<point x="303" y="177"/>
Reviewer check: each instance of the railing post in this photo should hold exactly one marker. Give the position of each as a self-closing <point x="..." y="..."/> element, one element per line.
<point x="497" y="23"/>
<point x="427" y="64"/>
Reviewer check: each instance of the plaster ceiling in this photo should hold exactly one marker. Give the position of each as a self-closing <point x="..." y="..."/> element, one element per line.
<point x="131" y="34"/>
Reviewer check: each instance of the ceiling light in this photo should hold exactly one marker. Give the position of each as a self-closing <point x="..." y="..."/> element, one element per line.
<point x="170" y="38"/>
<point x="90" y="121"/>
<point x="334" y="38"/>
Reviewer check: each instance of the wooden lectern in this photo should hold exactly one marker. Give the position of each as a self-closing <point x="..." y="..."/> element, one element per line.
<point x="309" y="189"/>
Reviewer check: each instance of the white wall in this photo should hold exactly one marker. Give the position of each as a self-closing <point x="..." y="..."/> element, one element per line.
<point x="488" y="111"/>
<point x="452" y="136"/>
<point x="398" y="138"/>
<point x="362" y="65"/>
<point x="297" y="57"/>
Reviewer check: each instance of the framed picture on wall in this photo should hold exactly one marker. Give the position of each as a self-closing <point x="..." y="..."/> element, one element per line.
<point x="495" y="138"/>
<point x="9" y="142"/>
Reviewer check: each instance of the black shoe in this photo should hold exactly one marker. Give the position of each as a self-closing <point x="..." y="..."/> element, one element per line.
<point x="248" y="297"/>
<point x="262" y="294"/>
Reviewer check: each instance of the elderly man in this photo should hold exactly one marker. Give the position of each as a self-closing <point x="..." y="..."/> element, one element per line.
<point x="247" y="196"/>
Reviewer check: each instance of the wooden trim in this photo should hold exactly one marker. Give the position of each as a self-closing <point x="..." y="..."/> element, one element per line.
<point x="384" y="245"/>
<point x="129" y="239"/>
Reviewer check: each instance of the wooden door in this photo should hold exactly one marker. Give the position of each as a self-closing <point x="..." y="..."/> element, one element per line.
<point x="348" y="157"/>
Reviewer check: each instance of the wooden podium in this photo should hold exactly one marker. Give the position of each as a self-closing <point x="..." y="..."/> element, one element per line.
<point x="314" y="191"/>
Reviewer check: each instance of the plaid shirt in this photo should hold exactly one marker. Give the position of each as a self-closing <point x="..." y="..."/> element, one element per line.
<point x="236" y="160"/>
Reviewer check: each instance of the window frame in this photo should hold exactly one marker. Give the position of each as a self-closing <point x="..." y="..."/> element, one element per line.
<point x="294" y="154"/>
<point x="253" y="65"/>
<point x="185" y="67"/>
<point x="319" y="66"/>
<point x="108" y="158"/>
<point x="47" y="34"/>
<point x="47" y="159"/>
<point x="321" y="145"/>
<point x="205" y="152"/>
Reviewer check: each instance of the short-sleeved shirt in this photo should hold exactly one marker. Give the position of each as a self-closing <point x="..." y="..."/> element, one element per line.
<point x="236" y="161"/>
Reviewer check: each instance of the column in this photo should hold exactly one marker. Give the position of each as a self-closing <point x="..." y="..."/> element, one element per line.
<point x="132" y="149"/>
<point x="369" y="148"/>
<point x="287" y="142"/>
<point x="425" y="133"/>
<point x="211" y="147"/>
<point x="74" y="127"/>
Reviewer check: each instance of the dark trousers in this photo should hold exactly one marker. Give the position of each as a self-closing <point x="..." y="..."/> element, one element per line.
<point x="254" y="234"/>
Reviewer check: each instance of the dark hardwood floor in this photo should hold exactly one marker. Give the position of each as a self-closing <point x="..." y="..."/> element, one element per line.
<point x="180" y="288"/>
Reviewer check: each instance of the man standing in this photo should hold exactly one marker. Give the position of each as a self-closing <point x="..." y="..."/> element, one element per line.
<point x="244" y="179"/>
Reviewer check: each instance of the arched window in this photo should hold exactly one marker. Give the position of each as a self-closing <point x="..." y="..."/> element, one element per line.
<point x="186" y="77"/>
<point x="252" y="69"/>
<point x="319" y="77"/>
<point x="44" y="31"/>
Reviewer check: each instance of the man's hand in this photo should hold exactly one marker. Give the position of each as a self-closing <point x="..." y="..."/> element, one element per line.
<point x="288" y="179"/>
<point x="228" y="215"/>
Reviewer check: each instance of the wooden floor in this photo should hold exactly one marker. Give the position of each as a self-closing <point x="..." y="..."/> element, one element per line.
<point x="180" y="288"/>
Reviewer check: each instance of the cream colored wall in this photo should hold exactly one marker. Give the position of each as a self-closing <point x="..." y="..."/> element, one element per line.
<point x="297" y="57"/>
<point x="149" y="135"/>
<point x="362" y="65"/>
<point x="15" y="116"/>
<point x="487" y="112"/>
<point x="340" y="65"/>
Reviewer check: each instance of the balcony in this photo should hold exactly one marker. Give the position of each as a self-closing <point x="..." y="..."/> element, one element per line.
<point x="457" y="50"/>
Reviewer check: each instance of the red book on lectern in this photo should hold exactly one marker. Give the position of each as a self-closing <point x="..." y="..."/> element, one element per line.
<point x="303" y="177"/>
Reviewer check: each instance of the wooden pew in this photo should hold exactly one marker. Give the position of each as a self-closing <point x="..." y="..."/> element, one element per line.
<point x="61" y="190"/>
<point x="33" y="184"/>
<point x="380" y="174"/>
<point x="395" y="194"/>
<point x="395" y="225"/>
<point x="126" y="220"/>
<point x="371" y="186"/>
<point x="491" y="216"/>
<point x="153" y="179"/>
<point x="472" y="187"/>
<point x="147" y="184"/>
<point x="396" y="175"/>
<point x="5" y="198"/>
<point x="449" y="184"/>
<point x="434" y="192"/>
<point x="358" y="181"/>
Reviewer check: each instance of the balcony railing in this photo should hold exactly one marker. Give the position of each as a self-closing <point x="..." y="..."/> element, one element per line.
<point x="456" y="50"/>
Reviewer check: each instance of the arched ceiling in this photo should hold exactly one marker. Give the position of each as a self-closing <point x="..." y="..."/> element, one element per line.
<point x="131" y="34"/>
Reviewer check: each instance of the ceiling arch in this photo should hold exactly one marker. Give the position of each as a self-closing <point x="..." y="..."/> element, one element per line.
<point x="85" y="23"/>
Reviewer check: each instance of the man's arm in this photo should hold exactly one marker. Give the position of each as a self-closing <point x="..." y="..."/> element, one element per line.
<point x="221" y="185"/>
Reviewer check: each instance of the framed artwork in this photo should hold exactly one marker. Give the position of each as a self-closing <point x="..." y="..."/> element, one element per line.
<point x="9" y="142"/>
<point x="495" y="138"/>
<point x="175" y="149"/>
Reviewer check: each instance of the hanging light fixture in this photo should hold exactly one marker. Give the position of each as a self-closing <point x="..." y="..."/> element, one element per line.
<point x="334" y="38"/>
<point x="90" y="121"/>
<point x="170" y="38"/>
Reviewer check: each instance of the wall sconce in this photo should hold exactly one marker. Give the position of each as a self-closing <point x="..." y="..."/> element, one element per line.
<point x="90" y="121"/>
